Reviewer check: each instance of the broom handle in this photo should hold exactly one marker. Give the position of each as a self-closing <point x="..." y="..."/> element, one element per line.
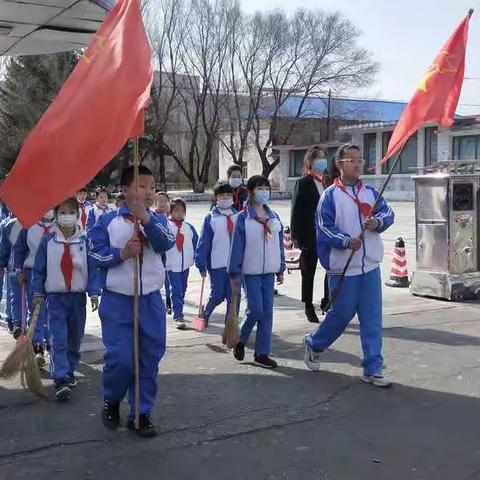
<point x="375" y="205"/>
<point x="136" y="301"/>
<point x="201" y="297"/>
<point x="33" y="323"/>
<point x="23" y="320"/>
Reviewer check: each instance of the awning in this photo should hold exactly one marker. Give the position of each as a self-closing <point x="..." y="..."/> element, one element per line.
<point x="32" y="27"/>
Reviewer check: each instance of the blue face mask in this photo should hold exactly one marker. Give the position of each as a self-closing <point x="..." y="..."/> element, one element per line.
<point x="320" y="165"/>
<point x="262" y="196"/>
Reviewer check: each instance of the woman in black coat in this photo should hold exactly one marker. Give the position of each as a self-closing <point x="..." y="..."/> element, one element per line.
<point x="306" y="196"/>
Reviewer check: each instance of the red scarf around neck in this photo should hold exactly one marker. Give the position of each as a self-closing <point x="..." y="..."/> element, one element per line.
<point x="66" y="265"/>
<point x="266" y="228"/>
<point x="180" y="237"/>
<point x="364" y="208"/>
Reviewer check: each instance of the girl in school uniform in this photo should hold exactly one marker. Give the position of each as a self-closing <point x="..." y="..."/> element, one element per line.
<point x="62" y="274"/>
<point x="257" y="253"/>
<point x="162" y="202"/>
<point x="99" y="209"/>
<point x="180" y="258"/>
<point x="214" y="247"/>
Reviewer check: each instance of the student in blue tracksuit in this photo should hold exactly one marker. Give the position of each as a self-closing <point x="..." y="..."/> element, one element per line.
<point x="14" y="299"/>
<point x="162" y="208"/>
<point x="345" y="223"/>
<point x="257" y="253"/>
<point x="62" y="275"/>
<point x="180" y="258"/>
<point x="100" y="208"/>
<point x="4" y="283"/>
<point x="84" y="207"/>
<point x="24" y="252"/>
<point x="213" y="247"/>
<point x="115" y="243"/>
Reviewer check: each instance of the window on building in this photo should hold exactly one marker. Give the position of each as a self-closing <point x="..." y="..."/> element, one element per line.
<point x="370" y="152"/>
<point x="408" y="160"/>
<point x="466" y="147"/>
<point x="296" y="163"/>
<point x="431" y="145"/>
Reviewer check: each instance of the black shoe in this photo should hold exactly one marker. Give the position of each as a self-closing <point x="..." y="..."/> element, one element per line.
<point x="169" y="305"/>
<point x="10" y="327"/>
<point x="17" y="332"/>
<point x="275" y="291"/>
<point x="310" y="313"/>
<point x="265" y="361"/>
<point x="325" y="304"/>
<point x="62" y="392"/>
<point x="111" y="415"/>
<point x="146" y="430"/>
<point x="72" y="381"/>
<point x="239" y="351"/>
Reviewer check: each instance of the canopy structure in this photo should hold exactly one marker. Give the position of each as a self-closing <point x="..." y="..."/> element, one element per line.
<point x="32" y="27"/>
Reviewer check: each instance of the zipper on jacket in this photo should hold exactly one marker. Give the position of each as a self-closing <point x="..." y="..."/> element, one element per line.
<point x="361" y="228"/>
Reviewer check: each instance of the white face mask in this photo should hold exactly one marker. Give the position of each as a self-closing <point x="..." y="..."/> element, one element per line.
<point x="224" y="203"/>
<point x="235" y="182"/>
<point x="49" y="216"/>
<point x="67" y="220"/>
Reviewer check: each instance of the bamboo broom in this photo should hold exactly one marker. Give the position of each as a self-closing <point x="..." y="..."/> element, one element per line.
<point x="231" y="332"/>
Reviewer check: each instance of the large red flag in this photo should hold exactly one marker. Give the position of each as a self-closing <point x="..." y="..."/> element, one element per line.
<point x="437" y="94"/>
<point x="99" y="108"/>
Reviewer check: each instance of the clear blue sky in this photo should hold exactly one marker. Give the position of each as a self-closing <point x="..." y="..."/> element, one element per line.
<point x="404" y="38"/>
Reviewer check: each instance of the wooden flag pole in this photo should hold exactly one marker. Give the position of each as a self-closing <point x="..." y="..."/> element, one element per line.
<point x="136" y="298"/>
<point x="335" y="292"/>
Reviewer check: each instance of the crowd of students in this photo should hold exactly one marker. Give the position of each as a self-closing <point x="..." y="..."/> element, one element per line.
<point x="81" y="249"/>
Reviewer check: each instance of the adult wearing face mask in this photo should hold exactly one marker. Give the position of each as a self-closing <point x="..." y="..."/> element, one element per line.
<point x="307" y="193"/>
<point x="240" y="192"/>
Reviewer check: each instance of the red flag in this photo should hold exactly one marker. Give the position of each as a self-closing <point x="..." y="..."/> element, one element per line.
<point x="99" y="108"/>
<point x="437" y="94"/>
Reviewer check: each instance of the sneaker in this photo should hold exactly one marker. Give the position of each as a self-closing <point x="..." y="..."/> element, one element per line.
<point x="39" y="356"/>
<point x="62" y="392"/>
<point x="275" y="291"/>
<point x="377" y="380"/>
<point x="146" y="428"/>
<point x="17" y="332"/>
<point x="311" y="358"/>
<point x="72" y="381"/>
<point x="325" y="305"/>
<point x="239" y="351"/>
<point x="265" y="361"/>
<point x="111" y="415"/>
<point x="168" y="303"/>
<point x="180" y="323"/>
<point x="310" y="313"/>
<point x="10" y="326"/>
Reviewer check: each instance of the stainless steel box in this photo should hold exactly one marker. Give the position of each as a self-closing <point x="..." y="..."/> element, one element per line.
<point x="447" y="217"/>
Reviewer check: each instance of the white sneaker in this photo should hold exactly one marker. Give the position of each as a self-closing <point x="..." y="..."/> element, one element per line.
<point x="377" y="380"/>
<point x="180" y="323"/>
<point x="312" y="358"/>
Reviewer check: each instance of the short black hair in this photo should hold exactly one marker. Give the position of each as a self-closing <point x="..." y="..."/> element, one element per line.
<point x="72" y="201"/>
<point x="257" y="181"/>
<point x="101" y="190"/>
<point x="83" y="189"/>
<point x="165" y="194"/>
<point x="129" y="173"/>
<point x="178" y="202"/>
<point x="120" y="196"/>
<point x="234" y="168"/>
<point x="222" y="187"/>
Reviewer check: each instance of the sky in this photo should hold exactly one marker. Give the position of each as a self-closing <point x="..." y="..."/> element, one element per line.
<point x="404" y="37"/>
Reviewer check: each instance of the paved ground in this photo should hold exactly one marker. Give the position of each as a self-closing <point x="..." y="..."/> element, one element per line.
<point x="223" y="420"/>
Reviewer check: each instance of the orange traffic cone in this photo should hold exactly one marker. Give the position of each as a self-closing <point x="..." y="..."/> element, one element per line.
<point x="399" y="271"/>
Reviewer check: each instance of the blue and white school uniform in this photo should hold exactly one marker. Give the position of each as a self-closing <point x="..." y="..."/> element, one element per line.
<point x="9" y="237"/>
<point x="179" y="260"/>
<point x="24" y="252"/>
<point x="258" y="254"/>
<point x="108" y="237"/>
<point x="163" y="217"/>
<point x="84" y="211"/>
<point x="95" y="213"/>
<point x="339" y="219"/>
<point x="63" y="273"/>
<point x="213" y="251"/>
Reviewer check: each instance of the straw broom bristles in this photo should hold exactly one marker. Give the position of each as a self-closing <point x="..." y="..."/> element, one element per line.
<point x="21" y="360"/>
<point x="231" y="332"/>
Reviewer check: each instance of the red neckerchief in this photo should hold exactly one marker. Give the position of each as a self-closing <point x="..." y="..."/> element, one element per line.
<point x="180" y="238"/>
<point x="46" y="228"/>
<point x="66" y="265"/>
<point x="266" y="228"/>
<point x="236" y="199"/>
<point x="316" y="176"/>
<point x="83" y="216"/>
<point x="364" y="208"/>
<point x="103" y="209"/>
